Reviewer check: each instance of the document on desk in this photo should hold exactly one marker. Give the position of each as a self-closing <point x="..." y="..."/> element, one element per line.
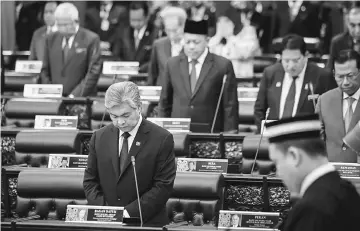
<point x="94" y="214"/>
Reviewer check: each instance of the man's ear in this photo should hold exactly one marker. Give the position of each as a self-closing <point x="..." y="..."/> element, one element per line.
<point x="294" y="156"/>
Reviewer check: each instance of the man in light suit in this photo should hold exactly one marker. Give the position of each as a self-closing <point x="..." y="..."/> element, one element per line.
<point x="327" y="202"/>
<point x="38" y="40"/>
<point x="290" y="88"/>
<point x="193" y="82"/>
<point x="72" y="55"/>
<point x="174" y="21"/>
<point x="109" y="176"/>
<point x="339" y="109"/>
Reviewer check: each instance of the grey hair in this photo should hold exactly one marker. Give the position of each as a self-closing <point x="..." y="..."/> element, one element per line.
<point x="123" y="92"/>
<point x="67" y="9"/>
<point x="173" y="11"/>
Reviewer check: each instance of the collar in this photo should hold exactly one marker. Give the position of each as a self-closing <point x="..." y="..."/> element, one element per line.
<point x="141" y="32"/>
<point x="202" y="57"/>
<point x="135" y="129"/>
<point x="356" y="95"/>
<point x="314" y="175"/>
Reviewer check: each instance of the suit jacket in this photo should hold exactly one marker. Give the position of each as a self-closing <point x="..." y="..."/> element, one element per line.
<point x="81" y="71"/>
<point x="340" y="42"/>
<point x="329" y="204"/>
<point x="177" y="101"/>
<point x="124" y="46"/>
<point x="330" y="109"/>
<point x="153" y="148"/>
<point x="37" y="45"/>
<point x="270" y="91"/>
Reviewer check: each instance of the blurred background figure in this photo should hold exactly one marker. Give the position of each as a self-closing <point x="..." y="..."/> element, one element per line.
<point x="38" y="39"/>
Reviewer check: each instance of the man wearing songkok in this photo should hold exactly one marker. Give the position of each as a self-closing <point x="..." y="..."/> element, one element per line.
<point x="192" y="85"/>
<point x="327" y="202"/>
<point x="174" y="21"/>
<point x="339" y="109"/>
<point x="290" y="88"/>
<point x="71" y="55"/>
<point x="109" y="177"/>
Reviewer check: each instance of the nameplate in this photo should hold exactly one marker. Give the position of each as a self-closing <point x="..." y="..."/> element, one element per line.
<point x="94" y="214"/>
<point x="242" y="219"/>
<point x="263" y="128"/>
<point x="26" y="66"/>
<point x="173" y="124"/>
<point x="201" y="165"/>
<point x="56" y="122"/>
<point x="347" y="169"/>
<point x="247" y="93"/>
<point x="43" y="90"/>
<point x="120" y="68"/>
<point x="150" y="93"/>
<point x="67" y="161"/>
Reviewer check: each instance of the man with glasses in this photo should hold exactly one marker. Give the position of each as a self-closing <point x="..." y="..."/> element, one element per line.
<point x="338" y="109"/>
<point x="290" y="88"/>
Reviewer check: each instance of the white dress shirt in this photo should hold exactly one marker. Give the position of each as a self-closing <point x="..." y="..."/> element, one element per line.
<point x="71" y="39"/>
<point x="140" y="33"/>
<point x="314" y="175"/>
<point x="294" y="7"/>
<point x="131" y="137"/>
<point x="356" y="96"/>
<point x="199" y="64"/>
<point x="286" y="87"/>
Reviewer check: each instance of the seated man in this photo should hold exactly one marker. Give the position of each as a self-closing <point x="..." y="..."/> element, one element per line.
<point x="72" y="55"/>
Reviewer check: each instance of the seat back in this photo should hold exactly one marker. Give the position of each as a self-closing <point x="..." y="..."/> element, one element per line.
<point x="47" y="192"/>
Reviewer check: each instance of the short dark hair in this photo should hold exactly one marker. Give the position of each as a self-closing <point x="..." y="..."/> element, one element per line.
<point x="293" y="42"/>
<point x="140" y="5"/>
<point x="312" y="146"/>
<point x="346" y="55"/>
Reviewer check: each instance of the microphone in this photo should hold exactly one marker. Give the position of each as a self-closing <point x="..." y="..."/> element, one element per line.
<point x="137" y="190"/>
<point x="103" y="115"/>
<point x="261" y="136"/>
<point x="218" y="103"/>
<point x="311" y="87"/>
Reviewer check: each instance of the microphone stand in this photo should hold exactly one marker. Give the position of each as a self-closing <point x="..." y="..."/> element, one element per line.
<point x="218" y="104"/>
<point x="137" y="190"/>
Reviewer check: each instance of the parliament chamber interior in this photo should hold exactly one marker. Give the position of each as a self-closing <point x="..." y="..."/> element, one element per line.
<point x="36" y="88"/>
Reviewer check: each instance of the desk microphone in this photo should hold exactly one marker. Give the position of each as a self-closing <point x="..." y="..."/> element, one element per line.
<point x="218" y="103"/>
<point x="137" y="190"/>
<point x="261" y="136"/>
<point x="103" y="116"/>
<point x="311" y="87"/>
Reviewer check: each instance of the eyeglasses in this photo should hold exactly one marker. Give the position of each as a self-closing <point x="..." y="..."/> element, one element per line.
<point x="350" y="75"/>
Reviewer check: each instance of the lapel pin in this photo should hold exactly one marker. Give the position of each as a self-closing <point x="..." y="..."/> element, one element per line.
<point x="147" y="33"/>
<point x="278" y="84"/>
<point x="307" y="86"/>
<point x="137" y="143"/>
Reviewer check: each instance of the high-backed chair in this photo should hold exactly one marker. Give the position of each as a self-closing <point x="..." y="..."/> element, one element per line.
<point x="47" y="192"/>
<point x="14" y="82"/>
<point x="196" y="198"/>
<point x="33" y="147"/>
<point x="263" y="164"/>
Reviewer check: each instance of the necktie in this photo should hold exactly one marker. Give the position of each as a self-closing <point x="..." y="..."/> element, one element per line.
<point x="66" y="50"/>
<point x="193" y="78"/>
<point x="124" y="151"/>
<point x="136" y="38"/>
<point x="290" y="99"/>
<point x="349" y="113"/>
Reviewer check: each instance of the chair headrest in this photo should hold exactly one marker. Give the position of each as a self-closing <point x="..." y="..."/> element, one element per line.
<point x="29" y="108"/>
<point x="198" y="185"/>
<point x="251" y="144"/>
<point x="51" y="183"/>
<point x="51" y="141"/>
<point x="98" y="109"/>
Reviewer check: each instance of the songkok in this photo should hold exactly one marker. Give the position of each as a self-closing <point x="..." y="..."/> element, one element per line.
<point x="293" y="128"/>
<point x="196" y="27"/>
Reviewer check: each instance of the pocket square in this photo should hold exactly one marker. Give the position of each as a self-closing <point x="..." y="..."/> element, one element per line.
<point x="80" y="50"/>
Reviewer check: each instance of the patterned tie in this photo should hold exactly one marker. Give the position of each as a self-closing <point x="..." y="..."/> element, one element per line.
<point x="66" y="50"/>
<point x="290" y="99"/>
<point x="349" y="113"/>
<point x="124" y="151"/>
<point x="193" y="78"/>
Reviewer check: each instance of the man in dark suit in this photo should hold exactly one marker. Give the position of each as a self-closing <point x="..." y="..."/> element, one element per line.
<point x="72" y="55"/>
<point x="339" y="109"/>
<point x="327" y="202"/>
<point x="347" y="40"/>
<point x="109" y="176"/>
<point x="291" y="87"/>
<point x="192" y="85"/>
<point x="38" y="40"/>
<point x="174" y="21"/>
<point x="134" y="42"/>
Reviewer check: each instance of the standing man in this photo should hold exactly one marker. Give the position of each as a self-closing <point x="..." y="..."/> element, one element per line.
<point x="192" y="85"/>
<point x="72" y="55"/>
<point x="327" y="202"/>
<point x="290" y="88"/>
<point x="109" y="176"/>
<point x="38" y="40"/>
<point x="339" y="109"/>
<point x="174" y="21"/>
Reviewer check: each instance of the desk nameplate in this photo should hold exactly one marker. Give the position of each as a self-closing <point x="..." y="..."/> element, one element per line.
<point x="43" y="90"/>
<point x="56" y="122"/>
<point x="173" y="124"/>
<point x="28" y="66"/>
<point x="201" y="165"/>
<point x="348" y="169"/>
<point x="67" y="161"/>
<point x="120" y="68"/>
<point x="94" y="214"/>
